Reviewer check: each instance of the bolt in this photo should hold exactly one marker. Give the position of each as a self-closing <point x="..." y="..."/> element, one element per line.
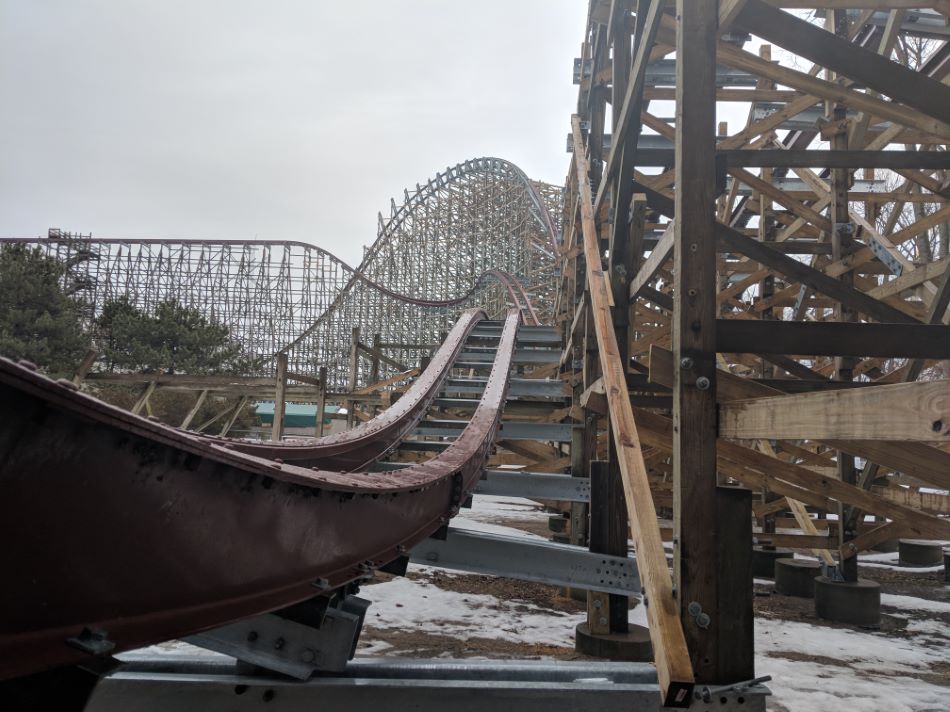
<point x="703" y="620"/>
<point x="278" y="644"/>
<point x="308" y="655"/>
<point x="598" y="603"/>
<point x="602" y="620"/>
<point x="686" y="363"/>
<point x="321" y="583"/>
<point x="694" y="608"/>
<point x="703" y="383"/>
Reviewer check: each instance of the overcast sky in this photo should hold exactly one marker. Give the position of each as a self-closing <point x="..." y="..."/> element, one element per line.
<point x="277" y="119"/>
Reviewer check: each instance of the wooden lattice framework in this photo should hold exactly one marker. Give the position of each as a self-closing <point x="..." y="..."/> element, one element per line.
<point x="759" y="310"/>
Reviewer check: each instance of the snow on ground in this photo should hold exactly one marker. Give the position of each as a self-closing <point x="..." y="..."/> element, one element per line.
<point x="814" y="667"/>
<point x="419" y="605"/>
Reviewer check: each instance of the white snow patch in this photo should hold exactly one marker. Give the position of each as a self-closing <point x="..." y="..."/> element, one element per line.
<point x="419" y="605"/>
<point x="915" y="604"/>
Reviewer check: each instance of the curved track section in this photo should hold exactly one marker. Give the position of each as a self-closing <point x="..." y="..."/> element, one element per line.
<point x="429" y="262"/>
<point x="159" y="533"/>
<point x="481" y="216"/>
<point x="359" y="447"/>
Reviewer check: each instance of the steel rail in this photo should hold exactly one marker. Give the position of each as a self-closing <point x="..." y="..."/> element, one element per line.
<point x="361" y="446"/>
<point x="128" y="532"/>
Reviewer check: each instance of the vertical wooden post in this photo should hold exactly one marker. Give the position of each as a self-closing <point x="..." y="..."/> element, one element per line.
<point x="280" y="400"/>
<point x="709" y="555"/>
<point x="354" y="374"/>
<point x="842" y="244"/>
<point x="322" y="401"/>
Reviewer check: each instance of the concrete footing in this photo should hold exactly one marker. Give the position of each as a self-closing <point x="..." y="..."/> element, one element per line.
<point x="920" y="552"/>
<point x="796" y="577"/>
<point x="633" y="646"/>
<point x="856" y="602"/>
<point x="763" y="560"/>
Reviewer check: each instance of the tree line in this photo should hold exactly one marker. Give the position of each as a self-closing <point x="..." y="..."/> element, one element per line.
<point x="41" y="322"/>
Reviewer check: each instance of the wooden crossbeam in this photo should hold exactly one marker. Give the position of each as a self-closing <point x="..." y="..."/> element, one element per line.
<point x="917" y="411"/>
<point x="809" y="276"/>
<point x="811" y="338"/>
<point x="918" y="460"/>
<point x="904" y="85"/>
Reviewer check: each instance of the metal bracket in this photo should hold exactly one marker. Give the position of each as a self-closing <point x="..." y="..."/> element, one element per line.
<point x="884" y="255"/>
<point x="530" y="560"/>
<point x="729" y="696"/>
<point x="292" y="647"/>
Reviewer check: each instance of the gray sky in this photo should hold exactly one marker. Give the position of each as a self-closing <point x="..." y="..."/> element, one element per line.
<point x="284" y="119"/>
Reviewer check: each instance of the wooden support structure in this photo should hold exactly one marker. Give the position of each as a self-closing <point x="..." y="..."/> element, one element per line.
<point x="789" y="285"/>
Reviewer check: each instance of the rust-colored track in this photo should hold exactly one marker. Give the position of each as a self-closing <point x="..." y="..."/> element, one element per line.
<point x="366" y="443"/>
<point x="149" y="533"/>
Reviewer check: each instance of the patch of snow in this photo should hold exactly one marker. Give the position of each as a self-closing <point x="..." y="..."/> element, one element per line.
<point x="803" y="686"/>
<point x="420" y="605"/>
<point x="915" y="604"/>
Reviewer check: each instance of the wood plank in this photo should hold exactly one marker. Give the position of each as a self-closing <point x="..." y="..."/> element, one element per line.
<point x="901" y="84"/>
<point x="648" y="271"/>
<point x="199" y="401"/>
<point x="674" y="670"/>
<point x="813" y="158"/>
<point x="917" y="411"/>
<point x="740" y="59"/>
<point x="918" y="460"/>
<point x="628" y="125"/>
<point x="817" y="280"/>
<point x="811" y="338"/>
<point x="280" y="399"/>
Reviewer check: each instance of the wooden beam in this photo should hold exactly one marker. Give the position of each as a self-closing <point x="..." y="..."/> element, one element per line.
<point x="740" y="59"/>
<point x="85" y="365"/>
<point x="239" y="406"/>
<point x="711" y="557"/>
<point x="812" y="338"/>
<point x="917" y="411"/>
<point x="628" y="125"/>
<point x="143" y="399"/>
<point x="199" y="401"/>
<point x="674" y="670"/>
<point x="788" y="158"/>
<point x="904" y="85"/>
<point x="277" y="427"/>
<point x="764" y="255"/>
<point x="660" y="254"/>
<point x="918" y="460"/>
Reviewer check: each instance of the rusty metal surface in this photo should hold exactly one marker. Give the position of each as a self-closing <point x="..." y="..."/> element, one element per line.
<point x="361" y="446"/>
<point x="147" y="533"/>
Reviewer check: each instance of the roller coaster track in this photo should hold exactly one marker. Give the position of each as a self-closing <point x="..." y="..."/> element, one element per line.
<point x="212" y="531"/>
<point x="477" y="234"/>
